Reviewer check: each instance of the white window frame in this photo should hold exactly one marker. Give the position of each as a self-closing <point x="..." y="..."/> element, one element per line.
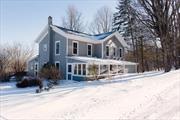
<point x="91" y="49"/>
<point x="55" y="47"/>
<point x="106" y="51"/>
<point x="77" y="47"/>
<point x="56" y="63"/>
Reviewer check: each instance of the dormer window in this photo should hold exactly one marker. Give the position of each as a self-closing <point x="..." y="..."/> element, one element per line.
<point x="107" y="50"/>
<point x="57" y="47"/>
<point x="75" y="48"/>
<point x="89" y="50"/>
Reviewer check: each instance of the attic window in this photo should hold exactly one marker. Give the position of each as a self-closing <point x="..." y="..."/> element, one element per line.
<point x="45" y="47"/>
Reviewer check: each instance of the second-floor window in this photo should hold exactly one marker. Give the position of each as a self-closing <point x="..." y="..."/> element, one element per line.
<point x="57" y="47"/>
<point x="120" y="52"/>
<point x="114" y="51"/>
<point x="75" y="48"/>
<point x="107" y="50"/>
<point x="89" y="50"/>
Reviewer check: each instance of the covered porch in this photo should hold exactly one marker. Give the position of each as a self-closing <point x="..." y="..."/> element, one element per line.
<point x="85" y="68"/>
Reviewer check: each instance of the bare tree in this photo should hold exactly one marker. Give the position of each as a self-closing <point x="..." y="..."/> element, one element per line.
<point x="159" y="16"/>
<point x="13" y="59"/>
<point x="73" y="19"/>
<point x="102" y="21"/>
<point x="18" y="57"/>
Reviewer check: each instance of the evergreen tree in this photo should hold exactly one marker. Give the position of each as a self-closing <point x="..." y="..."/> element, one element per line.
<point x="123" y="21"/>
<point x="121" y="18"/>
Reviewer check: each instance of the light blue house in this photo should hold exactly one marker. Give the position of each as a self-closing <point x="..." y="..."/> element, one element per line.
<point x="74" y="52"/>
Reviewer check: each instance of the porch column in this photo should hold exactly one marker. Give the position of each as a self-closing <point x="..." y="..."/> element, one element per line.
<point x="99" y="69"/>
<point x="124" y="68"/>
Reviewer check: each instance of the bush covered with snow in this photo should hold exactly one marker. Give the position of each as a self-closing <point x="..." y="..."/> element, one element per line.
<point x="29" y="83"/>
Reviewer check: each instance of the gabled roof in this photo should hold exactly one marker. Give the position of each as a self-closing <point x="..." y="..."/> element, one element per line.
<point x="80" y="36"/>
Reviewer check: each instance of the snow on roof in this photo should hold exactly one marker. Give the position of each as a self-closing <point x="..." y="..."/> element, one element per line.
<point x="101" y="36"/>
<point x="94" y="37"/>
<point x="101" y="61"/>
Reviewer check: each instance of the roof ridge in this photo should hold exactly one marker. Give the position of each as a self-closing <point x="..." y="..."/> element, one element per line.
<point x="72" y="30"/>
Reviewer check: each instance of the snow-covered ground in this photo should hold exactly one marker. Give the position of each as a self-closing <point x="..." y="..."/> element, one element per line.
<point x="152" y="95"/>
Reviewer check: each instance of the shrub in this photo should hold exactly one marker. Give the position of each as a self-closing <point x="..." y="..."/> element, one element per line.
<point x="22" y="84"/>
<point x="29" y="83"/>
<point x="93" y="70"/>
<point x="50" y="72"/>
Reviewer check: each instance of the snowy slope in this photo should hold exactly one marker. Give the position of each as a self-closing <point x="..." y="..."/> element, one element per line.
<point x="153" y="95"/>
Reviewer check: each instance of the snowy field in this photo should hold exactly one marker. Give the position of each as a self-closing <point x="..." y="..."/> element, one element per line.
<point x="152" y="95"/>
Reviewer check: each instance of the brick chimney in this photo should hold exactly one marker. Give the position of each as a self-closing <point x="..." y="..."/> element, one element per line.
<point x="50" y="37"/>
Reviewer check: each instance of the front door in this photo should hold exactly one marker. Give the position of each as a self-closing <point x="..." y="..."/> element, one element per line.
<point x="69" y="72"/>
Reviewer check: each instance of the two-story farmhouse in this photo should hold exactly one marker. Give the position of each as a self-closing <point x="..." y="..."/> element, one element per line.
<point x="74" y="52"/>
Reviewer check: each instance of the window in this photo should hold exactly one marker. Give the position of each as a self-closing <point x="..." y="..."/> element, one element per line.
<point x="120" y="52"/>
<point x="45" y="47"/>
<point x="114" y="51"/>
<point x="69" y="68"/>
<point x="84" y="69"/>
<point x="89" y="50"/>
<point x="79" y="69"/>
<point x="57" y="65"/>
<point x="107" y="50"/>
<point x="57" y="47"/>
<point x="75" y="69"/>
<point x="75" y="48"/>
<point x="36" y="66"/>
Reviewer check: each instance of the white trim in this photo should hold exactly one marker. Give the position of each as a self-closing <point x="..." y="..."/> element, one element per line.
<point x="55" y="47"/>
<point x="77" y="47"/>
<point x="67" y="47"/>
<point x="91" y="49"/>
<point x="119" y="37"/>
<point x="102" y="50"/>
<point x="42" y="34"/>
<point x="79" y="38"/>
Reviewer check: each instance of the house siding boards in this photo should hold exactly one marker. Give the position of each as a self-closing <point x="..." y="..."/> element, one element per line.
<point x="82" y="49"/>
<point x="31" y="66"/>
<point x="97" y="50"/>
<point x="112" y="42"/>
<point x="62" y="56"/>
<point x="43" y="55"/>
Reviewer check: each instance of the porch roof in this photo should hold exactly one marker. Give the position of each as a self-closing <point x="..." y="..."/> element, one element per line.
<point x="100" y="61"/>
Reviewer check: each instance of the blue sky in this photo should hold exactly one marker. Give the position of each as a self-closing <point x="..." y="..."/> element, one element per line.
<point x="22" y="20"/>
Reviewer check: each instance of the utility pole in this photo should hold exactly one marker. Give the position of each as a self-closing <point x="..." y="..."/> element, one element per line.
<point x="142" y="52"/>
